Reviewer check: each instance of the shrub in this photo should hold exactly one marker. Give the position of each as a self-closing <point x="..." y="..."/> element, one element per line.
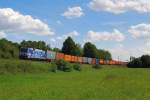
<point x="77" y="67"/>
<point x="53" y="67"/>
<point x="63" y="65"/>
<point x="97" y="66"/>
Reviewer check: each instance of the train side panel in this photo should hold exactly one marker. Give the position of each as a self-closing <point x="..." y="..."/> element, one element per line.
<point x="89" y="60"/>
<point x="50" y="55"/>
<point x="93" y="60"/>
<point x="59" y="56"/>
<point x="101" y="61"/>
<point x="67" y="58"/>
<point x="84" y="60"/>
<point x="97" y="61"/>
<point x="79" y="59"/>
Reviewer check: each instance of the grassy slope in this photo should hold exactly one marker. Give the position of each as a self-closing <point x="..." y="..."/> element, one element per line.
<point x="89" y="84"/>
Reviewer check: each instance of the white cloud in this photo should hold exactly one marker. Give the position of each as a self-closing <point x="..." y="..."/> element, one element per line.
<point x="124" y="52"/>
<point x="140" y="31"/>
<point x="73" y="12"/>
<point x="97" y="36"/>
<point x="2" y="35"/>
<point x="14" y="22"/>
<point x="120" y="6"/>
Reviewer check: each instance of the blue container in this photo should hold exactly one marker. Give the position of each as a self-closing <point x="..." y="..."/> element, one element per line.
<point x="97" y="61"/>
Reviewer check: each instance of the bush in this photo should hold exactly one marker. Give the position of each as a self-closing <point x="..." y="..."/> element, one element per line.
<point x="77" y="67"/>
<point x="97" y="66"/>
<point x="53" y="67"/>
<point x="63" y="65"/>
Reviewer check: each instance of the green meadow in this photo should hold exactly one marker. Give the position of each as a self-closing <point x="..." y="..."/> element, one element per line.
<point x="39" y="83"/>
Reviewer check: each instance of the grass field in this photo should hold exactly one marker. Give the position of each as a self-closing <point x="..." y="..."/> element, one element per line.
<point x="108" y="83"/>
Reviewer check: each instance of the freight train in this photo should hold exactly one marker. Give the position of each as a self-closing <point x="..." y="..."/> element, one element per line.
<point x="37" y="54"/>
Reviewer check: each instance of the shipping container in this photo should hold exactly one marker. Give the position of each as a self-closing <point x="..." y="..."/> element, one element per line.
<point x="72" y="58"/>
<point x="110" y="62"/>
<point x="67" y="58"/>
<point x="101" y="61"/>
<point x="97" y="61"/>
<point x="79" y="59"/>
<point x="84" y="60"/>
<point x="50" y="55"/>
<point x="93" y="60"/>
<point x="76" y="58"/>
<point x="59" y="55"/>
<point x="89" y="60"/>
<point x="105" y="63"/>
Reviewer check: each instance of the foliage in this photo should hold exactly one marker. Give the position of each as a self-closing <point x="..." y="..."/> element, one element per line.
<point x="35" y="44"/>
<point x="63" y="65"/>
<point x="141" y="62"/>
<point x="103" y="54"/>
<point x="56" y="50"/>
<point x="53" y="67"/>
<point x="70" y="47"/>
<point x="90" y="50"/>
<point x="8" y="49"/>
<point x="77" y="67"/>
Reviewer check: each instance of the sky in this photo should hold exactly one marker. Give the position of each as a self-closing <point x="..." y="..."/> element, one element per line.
<point x="119" y="26"/>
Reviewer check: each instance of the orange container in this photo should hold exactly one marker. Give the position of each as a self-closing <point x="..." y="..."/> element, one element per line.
<point x="59" y="56"/>
<point x="111" y="62"/>
<point x="67" y="57"/>
<point x="93" y="60"/>
<point x="76" y="59"/>
<point x="72" y="58"/>
<point x="101" y="61"/>
<point x="79" y="59"/>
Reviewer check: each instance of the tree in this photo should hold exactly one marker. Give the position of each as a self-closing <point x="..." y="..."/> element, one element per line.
<point x="8" y="49"/>
<point x="56" y="50"/>
<point x="78" y="50"/>
<point x="89" y="50"/>
<point x="141" y="62"/>
<point x="103" y="54"/>
<point x="145" y="60"/>
<point x="69" y="46"/>
<point x="35" y="44"/>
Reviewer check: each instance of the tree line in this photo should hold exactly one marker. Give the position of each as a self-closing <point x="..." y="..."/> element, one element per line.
<point x="8" y="49"/>
<point x="141" y="62"/>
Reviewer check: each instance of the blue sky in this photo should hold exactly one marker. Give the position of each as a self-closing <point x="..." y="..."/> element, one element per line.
<point x="120" y="26"/>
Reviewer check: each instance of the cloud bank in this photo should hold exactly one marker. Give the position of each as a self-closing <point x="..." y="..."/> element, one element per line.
<point x="14" y="22"/>
<point x="120" y="6"/>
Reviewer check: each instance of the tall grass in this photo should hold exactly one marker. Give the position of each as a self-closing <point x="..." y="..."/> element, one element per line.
<point x="23" y="66"/>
